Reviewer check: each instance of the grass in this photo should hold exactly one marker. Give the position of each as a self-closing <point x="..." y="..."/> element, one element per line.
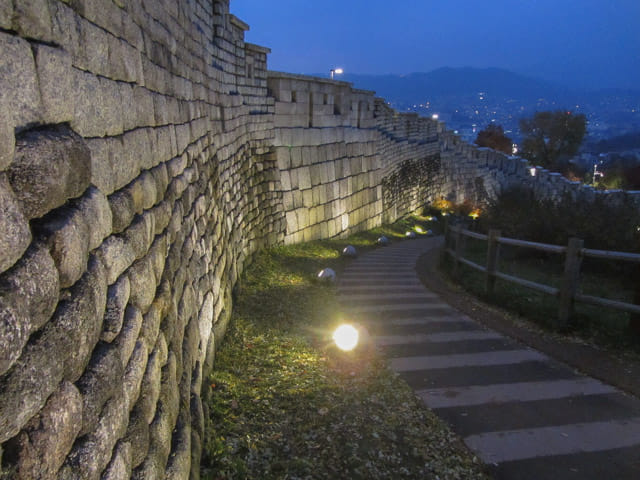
<point x="598" y="325"/>
<point x="283" y="403"/>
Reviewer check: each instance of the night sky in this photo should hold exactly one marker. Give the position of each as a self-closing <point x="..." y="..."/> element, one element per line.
<point x="581" y="43"/>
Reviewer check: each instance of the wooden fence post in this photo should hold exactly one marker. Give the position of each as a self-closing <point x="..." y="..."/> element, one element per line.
<point x="493" y="251"/>
<point x="570" y="280"/>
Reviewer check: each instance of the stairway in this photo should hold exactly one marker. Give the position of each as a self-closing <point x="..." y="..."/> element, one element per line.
<point x="524" y="414"/>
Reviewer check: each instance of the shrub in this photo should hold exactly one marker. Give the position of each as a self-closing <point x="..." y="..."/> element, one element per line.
<point x="519" y="214"/>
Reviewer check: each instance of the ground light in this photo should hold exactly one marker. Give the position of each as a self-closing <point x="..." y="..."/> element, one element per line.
<point x="346" y="337"/>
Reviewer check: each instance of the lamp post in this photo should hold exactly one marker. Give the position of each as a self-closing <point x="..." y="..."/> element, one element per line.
<point x="335" y="71"/>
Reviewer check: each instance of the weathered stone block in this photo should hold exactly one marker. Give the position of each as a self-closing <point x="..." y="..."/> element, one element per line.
<point x="89" y="114"/>
<point x="119" y="467"/>
<point x="117" y="298"/>
<point x="15" y="234"/>
<point x="36" y="374"/>
<point x="54" y="79"/>
<point x="117" y="255"/>
<point x="29" y="295"/>
<point x="50" y="167"/>
<point x="14" y="332"/>
<point x="140" y="234"/>
<point x="33" y="20"/>
<point x="134" y="373"/>
<point x="19" y="94"/>
<point x="126" y="341"/>
<point x="138" y="435"/>
<point x="7" y="140"/>
<point x="94" y="209"/>
<point x="91" y="453"/>
<point x="47" y="439"/>
<point x="6" y="12"/>
<point x="78" y="319"/>
<point x="100" y="382"/>
<point x="122" y="209"/>
<point x="67" y="235"/>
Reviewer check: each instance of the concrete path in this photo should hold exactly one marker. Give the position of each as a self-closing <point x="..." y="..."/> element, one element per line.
<point x="524" y="414"/>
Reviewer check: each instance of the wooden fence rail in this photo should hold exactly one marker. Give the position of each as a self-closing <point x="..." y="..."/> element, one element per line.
<point x="567" y="294"/>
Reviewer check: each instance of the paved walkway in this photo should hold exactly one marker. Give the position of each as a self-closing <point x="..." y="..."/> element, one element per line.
<point x="524" y="414"/>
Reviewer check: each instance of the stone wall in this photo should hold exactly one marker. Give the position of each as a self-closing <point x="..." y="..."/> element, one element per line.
<point x="145" y="154"/>
<point x="346" y="160"/>
<point x="478" y="174"/>
<point x="136" y="177"/>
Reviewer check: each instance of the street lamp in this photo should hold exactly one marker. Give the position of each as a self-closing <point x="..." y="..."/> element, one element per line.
<point x="335" y="71"/>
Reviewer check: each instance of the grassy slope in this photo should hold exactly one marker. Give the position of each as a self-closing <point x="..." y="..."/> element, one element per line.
<point x="283" y="403"/>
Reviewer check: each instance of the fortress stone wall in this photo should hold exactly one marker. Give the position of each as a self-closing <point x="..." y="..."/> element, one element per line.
<point x="145" y="154"/>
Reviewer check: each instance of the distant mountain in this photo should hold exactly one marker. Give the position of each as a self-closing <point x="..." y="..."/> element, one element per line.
<point x="457" y="82"/>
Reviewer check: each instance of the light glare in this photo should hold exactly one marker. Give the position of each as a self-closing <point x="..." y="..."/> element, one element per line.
<point x="346" y="337"/>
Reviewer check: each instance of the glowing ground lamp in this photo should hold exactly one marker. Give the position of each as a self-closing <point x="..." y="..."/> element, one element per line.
<point x="419" y="229"/>
<point x="346" y="337"/>
<point x="410" y="235"/>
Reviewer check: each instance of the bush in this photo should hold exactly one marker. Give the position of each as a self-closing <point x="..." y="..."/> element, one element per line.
<point x="519" y="214"/>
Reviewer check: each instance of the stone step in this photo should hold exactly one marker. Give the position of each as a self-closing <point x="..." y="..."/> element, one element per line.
<point x="509" y="445"/>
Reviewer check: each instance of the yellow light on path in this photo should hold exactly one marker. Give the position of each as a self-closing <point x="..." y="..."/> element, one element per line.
<point x="346" y="337"/>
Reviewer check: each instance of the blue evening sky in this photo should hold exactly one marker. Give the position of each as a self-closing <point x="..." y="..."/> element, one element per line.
<point x="591" y="43"/>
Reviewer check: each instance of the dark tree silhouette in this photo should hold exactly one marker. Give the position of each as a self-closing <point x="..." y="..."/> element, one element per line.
<point x="551" y="138"/>
<point x="493" y="137"/>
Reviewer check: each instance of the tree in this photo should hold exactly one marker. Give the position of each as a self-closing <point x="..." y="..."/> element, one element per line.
<point x="493" y="137"/>
<point x="551" y="138"/>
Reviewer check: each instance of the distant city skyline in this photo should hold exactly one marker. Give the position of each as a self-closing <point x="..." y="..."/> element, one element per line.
<point x="581" y="43"/>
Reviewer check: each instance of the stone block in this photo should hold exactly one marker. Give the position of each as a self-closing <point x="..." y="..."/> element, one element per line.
<point x="7" y="140"/>
<point x="137" y="435"/>
<point x="111" y="108"/>
<point x="14" y="332"/>
<point x="54" y="79"/>
<point x="33" y="378"/>
<point x="304" y="178"/>
<point x="151" y="382"/>
<point x="126" y="341"/>
<point x="94" y="209"/>
<point x="117" y="299"/>
<point x="134" y="374"/>
<point x="66" y="234"/>
<point x="50" y="167"/>
<point x="33" y="20"/>
<point x="99" y="383"/>
<point x="122" y="208"/>
<point x="144" y="106"/>
<point x="29" y="295"/>
<point x="43" y="445"/>
<point x="117" y="255"/>
<point x="15" y="234"/>
<point x="19" y="93"/>
<point x="6" y="13"/>
<point x="140" y="234"/>
<point x="91" y="453"/>
<point x="119" y="467"/>
<point x="89" y="115"/>
<point x="78" y="319"/>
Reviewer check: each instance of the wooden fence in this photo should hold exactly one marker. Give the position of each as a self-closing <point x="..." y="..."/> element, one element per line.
<point x="567" y="293"/>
